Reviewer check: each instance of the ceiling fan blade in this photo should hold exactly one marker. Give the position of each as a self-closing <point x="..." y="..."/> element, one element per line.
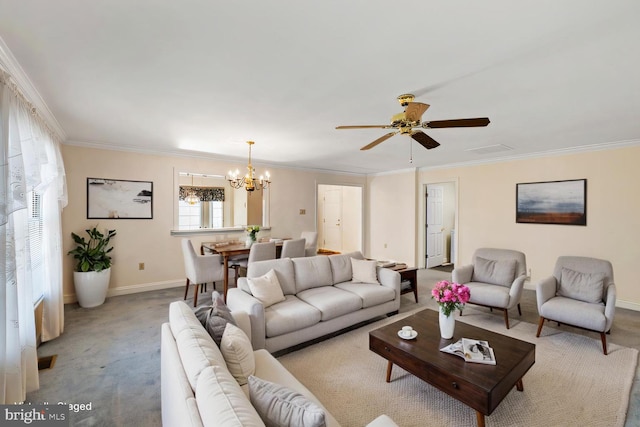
<point x="415" y="110"/>
<point x="457" y="123"/>
<point x="378" y="141"/>
<point x="364" y="127"/>
<point x="425" y="140"/>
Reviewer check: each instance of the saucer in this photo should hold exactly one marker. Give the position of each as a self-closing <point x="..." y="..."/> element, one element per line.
<point x="413" y="335"/>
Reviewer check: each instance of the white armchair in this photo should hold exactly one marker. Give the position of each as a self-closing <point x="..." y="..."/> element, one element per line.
<point x="495" y="279"/>
<point x="200" y="269"/>
<point x="580" y="293"/>
<point x="311" y="242"/>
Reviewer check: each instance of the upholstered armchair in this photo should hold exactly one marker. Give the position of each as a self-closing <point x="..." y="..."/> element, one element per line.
<point x="200" y="269"/>
<point x="495" y="279"/>
<point x="311" y="242"/>
<point x="580" y="293"/>
<point x="293" y="248"/>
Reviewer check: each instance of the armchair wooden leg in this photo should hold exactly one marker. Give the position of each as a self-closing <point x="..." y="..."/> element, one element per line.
<point x="195" y="295"/>
<point x="519" y="310"/>
<point x="506" y="317"/>
<point x="540" y="324"/>
<point x="603" y="338"/>
<point x="186" y="289"/>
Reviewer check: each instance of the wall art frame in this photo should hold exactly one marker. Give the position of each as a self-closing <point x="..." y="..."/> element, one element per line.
<point x="552" y="202"/>
<point x="119" y="199"/>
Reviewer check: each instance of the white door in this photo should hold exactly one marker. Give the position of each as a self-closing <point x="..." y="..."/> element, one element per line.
<point x="332" y="219"/>
<point x="435" y="228"/>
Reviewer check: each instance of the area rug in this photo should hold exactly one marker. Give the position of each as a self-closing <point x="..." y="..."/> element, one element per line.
<point x="571" y="384"/>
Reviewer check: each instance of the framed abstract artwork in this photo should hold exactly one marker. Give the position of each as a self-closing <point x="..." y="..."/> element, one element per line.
<point x="119" y="199"/>
<point x="552" y="202"/>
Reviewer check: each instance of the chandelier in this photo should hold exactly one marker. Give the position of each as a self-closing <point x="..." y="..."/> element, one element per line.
<point x="192" y="198"/>
<point x="249" y="181"/>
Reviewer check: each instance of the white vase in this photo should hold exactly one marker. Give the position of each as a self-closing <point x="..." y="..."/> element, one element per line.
<point x="91" y="287"/>
<point x="447" y="324"/>
<point x="248" y="241"/>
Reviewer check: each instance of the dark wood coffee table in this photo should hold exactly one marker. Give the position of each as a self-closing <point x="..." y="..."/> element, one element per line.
<point x="482" y="387"/>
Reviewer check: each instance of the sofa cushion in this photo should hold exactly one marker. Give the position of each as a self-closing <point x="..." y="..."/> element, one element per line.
<point x="290" y="315"/>
<point x="215" y="317"/>
<point x="311" y="272"/>
<point x="221" y="401"/>
<point x="364" y="271"/>
<point x="266" y="288"/>
<point x="587" y="287"/>
<point x="496" y="272"/>
<point x="283" y="268"/>
<point x="238" y="353"/>
<point x="331" y="301"/>
<point x="341" y="266"/>
<point x="278" y="405"/>
<point x="370" y="294"/>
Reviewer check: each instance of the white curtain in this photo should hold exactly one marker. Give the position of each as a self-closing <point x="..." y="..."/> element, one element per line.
<point x="29" y="161"/>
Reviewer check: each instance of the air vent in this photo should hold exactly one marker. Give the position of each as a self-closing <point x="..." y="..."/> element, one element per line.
<point x="490" y="149"/>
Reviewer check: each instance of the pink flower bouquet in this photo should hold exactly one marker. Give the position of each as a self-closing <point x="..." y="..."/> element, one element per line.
<point x="450" y="296"/>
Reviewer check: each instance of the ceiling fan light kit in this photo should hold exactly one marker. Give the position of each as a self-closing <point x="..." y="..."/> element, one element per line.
<point x="249" y="181"/>
<point x="411" y="118"/>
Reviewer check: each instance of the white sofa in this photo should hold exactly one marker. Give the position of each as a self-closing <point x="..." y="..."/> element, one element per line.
<point x="321" y="298"/>
<point x="199" y="390"/>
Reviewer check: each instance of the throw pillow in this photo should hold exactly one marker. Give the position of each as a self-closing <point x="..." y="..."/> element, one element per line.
<point x="266" y="288"/>
<point x="496" y="272"/>
<point x="238" y="353"/>
<point x="364" y="271"/>
<point x="587" y="287"/>
<point x="280" y="406"/>
<point x="215" y="317"/>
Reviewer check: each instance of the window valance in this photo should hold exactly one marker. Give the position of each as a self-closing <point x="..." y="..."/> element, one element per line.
<point x="205" y="194"/>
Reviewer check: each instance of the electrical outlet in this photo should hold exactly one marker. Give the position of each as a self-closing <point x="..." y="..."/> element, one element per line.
<point x="141" y="266"/>
<point x="385" y="246"/>
<point x="303" y="211"/>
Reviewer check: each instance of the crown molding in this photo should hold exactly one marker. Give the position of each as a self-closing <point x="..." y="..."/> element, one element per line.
<point x="28" y="89"/>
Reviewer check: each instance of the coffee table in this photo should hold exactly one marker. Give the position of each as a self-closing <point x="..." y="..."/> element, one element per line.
<point x="482" y="387"/>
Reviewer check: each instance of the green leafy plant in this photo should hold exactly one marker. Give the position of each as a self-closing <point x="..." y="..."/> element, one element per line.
<point x="92" y="254"/>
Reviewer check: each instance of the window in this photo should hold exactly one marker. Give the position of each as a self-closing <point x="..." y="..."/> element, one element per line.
<point x="200" y="215"/>
<point x="36" y="244"/>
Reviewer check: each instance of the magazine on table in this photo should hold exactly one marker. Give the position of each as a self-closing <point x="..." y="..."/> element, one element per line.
<point x="476" y="351"/>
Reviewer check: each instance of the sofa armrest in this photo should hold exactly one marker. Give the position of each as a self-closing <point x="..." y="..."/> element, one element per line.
<point x="515" y="292"/>
<point x="462" y="274"/>
<point x="610" y="306"/>
<point x="382" y="421"/>
<point x="545" y="290"/>
<point x="390" y="279"/>
<point x="239" y="300"/>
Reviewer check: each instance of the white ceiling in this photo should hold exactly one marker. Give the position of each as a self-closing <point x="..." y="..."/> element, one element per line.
<point x="203" y="77"/>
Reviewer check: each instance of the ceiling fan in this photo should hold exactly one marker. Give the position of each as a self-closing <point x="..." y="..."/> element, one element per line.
<point x="405" y="122"/>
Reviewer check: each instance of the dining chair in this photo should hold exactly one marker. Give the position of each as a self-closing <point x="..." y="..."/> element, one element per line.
<point x="262" y="251"/>
<point x="293" y="248"/>
<point x="200" y="269"/>
<point x="311" y="242"/>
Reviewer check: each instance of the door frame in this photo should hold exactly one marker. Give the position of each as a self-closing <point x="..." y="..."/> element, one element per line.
<point x="421" y="241"/>
<point x="362" y="208"/>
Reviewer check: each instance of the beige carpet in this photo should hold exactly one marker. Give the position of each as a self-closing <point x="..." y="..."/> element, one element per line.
<point x="571" y="384"/>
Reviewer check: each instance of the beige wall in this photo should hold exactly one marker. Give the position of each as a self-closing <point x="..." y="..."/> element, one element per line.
<point x="486" y="213"/>
<point x="150" y="241"/>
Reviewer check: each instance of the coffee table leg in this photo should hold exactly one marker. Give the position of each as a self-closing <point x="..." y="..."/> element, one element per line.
<point x="389" y="366"/>
<point x="480" y="418"/>
<point x="519" y="385"/>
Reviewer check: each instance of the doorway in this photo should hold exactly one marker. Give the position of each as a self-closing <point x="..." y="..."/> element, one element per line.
<point x="339" y="220"/>
<point x="440" y="219"/>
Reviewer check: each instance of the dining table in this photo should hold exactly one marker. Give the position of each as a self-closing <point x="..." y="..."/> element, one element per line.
<point x="231" y="250"/>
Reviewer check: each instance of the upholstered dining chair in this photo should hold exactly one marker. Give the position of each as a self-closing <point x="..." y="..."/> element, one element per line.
<point x="200" y="269"/>
<point x="262" y="251"/>
<point x="293" y="248"/>
<point x="311" y="242"/>
<point x="495" y="279"/>
<point x="580" y="293"/>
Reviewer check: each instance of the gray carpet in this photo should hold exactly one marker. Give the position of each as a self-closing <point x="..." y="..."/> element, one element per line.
<point x="109" y="356"/>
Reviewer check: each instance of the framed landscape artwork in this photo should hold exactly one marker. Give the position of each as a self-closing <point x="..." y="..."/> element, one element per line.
<point x="119" y="199"/>
<point x="552" y="202"/>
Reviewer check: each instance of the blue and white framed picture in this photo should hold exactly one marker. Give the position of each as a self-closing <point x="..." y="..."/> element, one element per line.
<point x="119" y="199"/>
<point x="552" y="202"/>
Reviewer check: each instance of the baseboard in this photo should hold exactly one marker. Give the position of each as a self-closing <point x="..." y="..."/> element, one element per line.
<point x="132" y="289"/>
<point x="628" y="305"/>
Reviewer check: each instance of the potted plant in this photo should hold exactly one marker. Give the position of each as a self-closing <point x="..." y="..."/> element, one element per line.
<point x="252" y="230"/>
<point x="93" y="268"/>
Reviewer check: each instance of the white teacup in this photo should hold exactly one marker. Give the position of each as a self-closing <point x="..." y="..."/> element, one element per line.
<point x="407" y="331"/>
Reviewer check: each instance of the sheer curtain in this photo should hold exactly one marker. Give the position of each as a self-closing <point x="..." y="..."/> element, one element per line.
<point x="29" y="161"/>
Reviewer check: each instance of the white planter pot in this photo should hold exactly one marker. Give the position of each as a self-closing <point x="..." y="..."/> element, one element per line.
<point x="91" y="287"/>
